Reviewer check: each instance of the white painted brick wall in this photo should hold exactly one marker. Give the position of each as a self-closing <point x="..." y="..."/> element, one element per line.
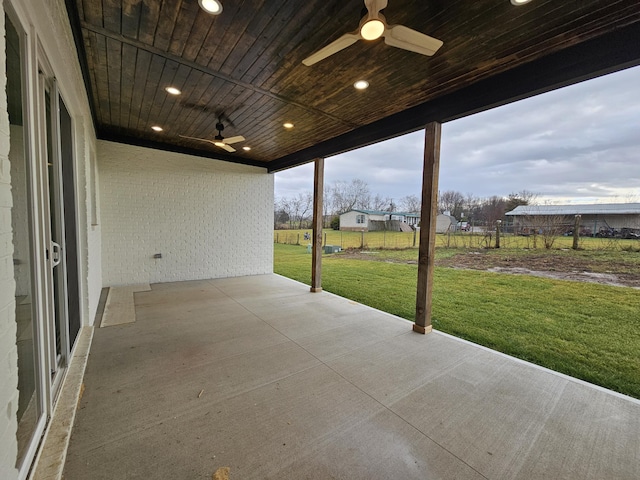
<point x="8" y="350"/>
<point x="208" y="219"/>
<point x="94" y="237"/>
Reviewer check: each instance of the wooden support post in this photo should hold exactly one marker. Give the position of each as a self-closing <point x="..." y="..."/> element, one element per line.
<point x="428" y="214"/>
<point x="576" y="232"/>
<point x="316" y="260"/>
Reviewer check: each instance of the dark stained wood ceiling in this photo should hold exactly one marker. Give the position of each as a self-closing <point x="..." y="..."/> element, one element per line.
<point x="245" y="65"/>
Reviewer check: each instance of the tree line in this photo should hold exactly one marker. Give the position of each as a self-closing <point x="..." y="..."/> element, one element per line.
<point x="343" y="196"/>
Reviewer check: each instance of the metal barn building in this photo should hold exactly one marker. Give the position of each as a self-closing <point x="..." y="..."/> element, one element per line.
<point x="596" y="219"/>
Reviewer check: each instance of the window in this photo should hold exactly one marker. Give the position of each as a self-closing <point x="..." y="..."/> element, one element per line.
<point x="359" y="219"/>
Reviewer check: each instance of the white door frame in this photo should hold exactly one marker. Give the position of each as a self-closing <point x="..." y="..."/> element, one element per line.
<point x="33" y="179"/>
<point x="53" y="253"/>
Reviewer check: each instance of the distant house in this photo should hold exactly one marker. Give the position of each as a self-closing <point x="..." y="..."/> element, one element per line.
<point x="376" y="220"/>
<point x="609" y="219"/>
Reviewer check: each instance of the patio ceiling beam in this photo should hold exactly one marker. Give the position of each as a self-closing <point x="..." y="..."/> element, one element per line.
<point x="428" y="215"/>
<point x="318" y="191"/>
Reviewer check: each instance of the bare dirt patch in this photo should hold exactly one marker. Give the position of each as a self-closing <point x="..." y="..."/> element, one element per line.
<point x="548" y="265"/>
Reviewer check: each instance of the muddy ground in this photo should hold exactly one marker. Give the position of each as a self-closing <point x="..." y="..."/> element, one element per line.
<point x="548" y="265"/>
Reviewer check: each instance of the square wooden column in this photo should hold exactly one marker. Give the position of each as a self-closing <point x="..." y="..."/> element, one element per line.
<point x="428" y="215"/>
<point x="316" y="260"/>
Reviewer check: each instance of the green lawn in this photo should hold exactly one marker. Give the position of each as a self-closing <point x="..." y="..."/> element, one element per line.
<point x="588" y="331"/>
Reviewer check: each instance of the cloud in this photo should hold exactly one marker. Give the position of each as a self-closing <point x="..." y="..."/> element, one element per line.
<point x="577" y="144"/>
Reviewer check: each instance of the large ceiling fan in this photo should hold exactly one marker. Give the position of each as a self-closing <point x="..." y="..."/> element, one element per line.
<point x="372" y="26"/>
<point x="219" y="140"/>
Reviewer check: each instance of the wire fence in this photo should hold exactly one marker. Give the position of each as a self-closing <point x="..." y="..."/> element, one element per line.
<point x="464" y="240"/>
<point x="346" y="240"/>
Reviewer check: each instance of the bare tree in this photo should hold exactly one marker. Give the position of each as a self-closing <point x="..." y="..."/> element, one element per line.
<point x="280" y="214"/>
<point x="493" y="209"/>
<point x="301" y="207"/>
<point x="295" y="209"/>
<point x="284" y="206"/>
<point x="452" y="202"/>
<point x="327" y="206"/>
<point x="530" y="197"/>
<point x="350" y="195"/>
<point x="523" y="197"/>
<point x="410" y="204"/>
<point x="549" y="227"/>
<point x="379" y="202"/>
<point x="472" y="208"/>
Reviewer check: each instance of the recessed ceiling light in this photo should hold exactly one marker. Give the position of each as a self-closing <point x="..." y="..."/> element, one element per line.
<point x="372" y="29"/>
<point x="288" y="125"/>
<point x="246" y="149"/>
<point x="519" y="2"/>
<point x="361" y="84"/>
<point x="214" y="7"/>
<point x="173" y="91"/>
<point x="156" y="128"/>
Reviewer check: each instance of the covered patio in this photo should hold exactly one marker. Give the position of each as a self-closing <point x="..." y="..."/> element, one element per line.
<point x="138" y="142"/>
<point x="261" y="376"/>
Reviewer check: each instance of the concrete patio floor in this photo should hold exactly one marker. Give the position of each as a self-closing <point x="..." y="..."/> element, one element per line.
<point x="259" y="375"/>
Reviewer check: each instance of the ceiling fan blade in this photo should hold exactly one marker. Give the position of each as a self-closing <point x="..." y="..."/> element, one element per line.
<point x="228" y="148"/>
<point x="200" y="139"/>
<point x="374" y="6"/>
<point x="334" y="47"/>
<point x="404" y="37"/>
<point x="237" y="139"/>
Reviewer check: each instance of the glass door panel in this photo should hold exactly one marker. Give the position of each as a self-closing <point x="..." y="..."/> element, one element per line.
<point x="70" y="224"/>
<point x="30" y="410"/>
<point x="56" y="224"/>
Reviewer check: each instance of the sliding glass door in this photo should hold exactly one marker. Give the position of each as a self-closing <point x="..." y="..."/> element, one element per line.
<point x="31" y="409"/>
<point x="44" y="233"/>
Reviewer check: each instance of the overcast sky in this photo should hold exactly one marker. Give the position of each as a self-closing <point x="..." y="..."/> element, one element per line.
<point x="579" y="144"/>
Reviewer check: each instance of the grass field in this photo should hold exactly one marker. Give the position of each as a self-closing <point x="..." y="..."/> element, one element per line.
<point x="459" y="240"/>
<point x="588" y="331"/>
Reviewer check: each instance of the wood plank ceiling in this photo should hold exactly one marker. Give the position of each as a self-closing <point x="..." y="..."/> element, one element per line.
<point x="245" y="65"/>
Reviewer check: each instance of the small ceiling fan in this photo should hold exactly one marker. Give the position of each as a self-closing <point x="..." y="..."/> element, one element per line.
<point x="373" y="26"/>
<point x="219" y="140"/>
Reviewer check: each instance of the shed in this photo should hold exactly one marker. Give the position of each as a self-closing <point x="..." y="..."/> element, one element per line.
<point x="445" y="223"/>
<point x="608" y="219"/>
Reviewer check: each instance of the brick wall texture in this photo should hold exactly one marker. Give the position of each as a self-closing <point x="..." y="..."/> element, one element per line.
<point x="208" y="219"/>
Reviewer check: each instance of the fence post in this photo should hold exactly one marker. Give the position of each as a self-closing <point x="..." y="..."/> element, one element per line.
<point x="325" y="238"/>
<point x="341" y="240"/>
<point x="361" y="239"/>
<point x="298" y="241"/>
<point x="498" y="222"/>
<point x="576" y="232"/>
<point x="415" y="233"/>
<point x="277" y="237"/>
<point x="384" y="238"/>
